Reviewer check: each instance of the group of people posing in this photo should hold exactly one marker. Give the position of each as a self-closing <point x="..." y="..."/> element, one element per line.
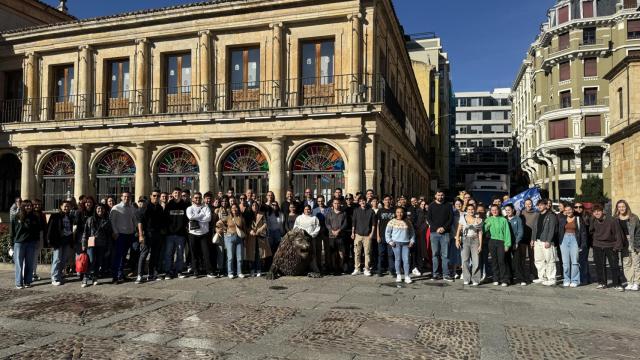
<point x="179" y="234"/>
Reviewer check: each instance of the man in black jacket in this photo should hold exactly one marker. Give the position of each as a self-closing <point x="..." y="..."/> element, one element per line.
<point x="176" y="213"/>
<point x="154" y="220"/>
<point x="60" y="238"/>
<point x="440" y="218"/>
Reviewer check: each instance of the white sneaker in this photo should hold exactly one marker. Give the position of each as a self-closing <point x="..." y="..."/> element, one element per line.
<point x="56" y="283"/>
<point x="258" y="274"/>
<point x="355" y="272"/>
<point x="416" y="272"/>
<point x="634" y="287"/>
<point x="628" y="287"/>
<point x="523" y="284"/>
<point x="407" y="279"/>
<point x="399" y="278"/>
<point x="573" y="285"/>
<point x="367" y="273"/>
<point x="456" y="276"/>
<point x="475" y="284"/>
<point x="465" y="283"/>
<point x="504" y="284"/>
<point x="538" y="281"/>
<point x="230" y="276"/>
<point x="496" y="283"/>
<point x="549" y="283"/>
<point x="241" y="276"/>
<point x="95" y="282"/>
<point x="566" y="284"/>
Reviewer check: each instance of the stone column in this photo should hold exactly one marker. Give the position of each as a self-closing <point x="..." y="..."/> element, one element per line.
<point x="278" y="84"/>
<point x="80" y="178"/>
<point x="276" y="168"/>
<point x="142" y="170"/>
<point x="578" y="164"/>
<point x="356" y="52"/>
<point x="84" y="96"/>
<point x="205" y="166"/>
<point x="205" y="69"/>
<point x="549" y="173"/>
<point x="577" y="125"/>
<point x="354" y="180"/>
<point x="31" y="109"/>
<point x="143" y="59"/>
<point x="28" y="173"/>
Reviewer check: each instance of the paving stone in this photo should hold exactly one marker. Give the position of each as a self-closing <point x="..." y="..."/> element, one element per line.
<point x="73" y="308"/>
<point x="11" y="294"/>
<point x="82" y="347"/>
<point x="11" y="337"/>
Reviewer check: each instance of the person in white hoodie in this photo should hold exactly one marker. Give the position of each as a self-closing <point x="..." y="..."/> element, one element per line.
<point x="311" y="225"/>
<point x="199" y="216"/>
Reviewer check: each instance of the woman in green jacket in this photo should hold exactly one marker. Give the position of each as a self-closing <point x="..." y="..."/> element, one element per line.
<point x="500" y="241"/>
<point x="25" y="234"/>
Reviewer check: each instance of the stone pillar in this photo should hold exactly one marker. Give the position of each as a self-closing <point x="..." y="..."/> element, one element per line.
<point x="276" y="168"/>
<point x="577" y="126"/>
<point x="606" y="169"/>
<point x="278" y="49"/>
<point x="578" y="164"/>
<point x="80" y="179"/>
<point x="142" y="170"/>
<point x="354" y="180"/>
<point x="143" y="59"/>
<point x="31" y="94"/>
<point x="28" y="173"/>
<point x="205" y="70"/>
<point x="205" y="166"/>
<point x="356" y="52"/>
<point x="85" y="71"/>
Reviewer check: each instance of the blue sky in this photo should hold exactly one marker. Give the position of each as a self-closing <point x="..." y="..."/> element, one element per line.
<point x="486" y="40"/>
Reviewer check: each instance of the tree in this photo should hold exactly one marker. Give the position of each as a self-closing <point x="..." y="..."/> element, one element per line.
<point x="592" y="190"/>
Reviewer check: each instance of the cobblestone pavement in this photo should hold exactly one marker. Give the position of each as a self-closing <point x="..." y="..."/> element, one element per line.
<point x="343" y="317"/>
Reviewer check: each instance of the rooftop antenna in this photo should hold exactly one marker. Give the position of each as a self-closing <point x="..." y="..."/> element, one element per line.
<point x="62" y="7"/>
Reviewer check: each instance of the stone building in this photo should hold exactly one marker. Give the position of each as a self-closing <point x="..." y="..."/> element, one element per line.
<point x="561" y="111"/>
<point x="624" y="132"/>
<point x="433" y="69"/>
<point x="213" y="95"/>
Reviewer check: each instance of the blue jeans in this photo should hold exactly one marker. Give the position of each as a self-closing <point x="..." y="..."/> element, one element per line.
<point x="23" y="259"/>
<point x="275" y="237"/>
<point x="401" y="252"/>
<point x="570" y="251"/>
<point x="59" y="261"/>
<point x="583" y="261"/>
<point x="122" y="245"/>
<point x="440" y="247"/>
<point x="96" y="256"/>
<point x="385" y="250"/>
<point x="174" y="244"/>
<point x="234" y="246"/>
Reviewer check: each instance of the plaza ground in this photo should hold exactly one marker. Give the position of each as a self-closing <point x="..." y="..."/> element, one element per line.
<point x="342" y="317"/>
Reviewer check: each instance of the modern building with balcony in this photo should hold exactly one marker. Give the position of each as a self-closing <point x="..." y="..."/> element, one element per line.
<point x="432" y="68"/>
<point x="482" y="136"/>
<point x="216" y="95"/>
<point x="561" y="97"/>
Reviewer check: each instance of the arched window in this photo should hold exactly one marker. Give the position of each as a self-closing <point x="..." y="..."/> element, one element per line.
<point x="178" y="168"/>
<point x="319" y="167"/>
<point x="57" y="180"/>
<point x="245" y="167"/>
<point x="115" y="173"/>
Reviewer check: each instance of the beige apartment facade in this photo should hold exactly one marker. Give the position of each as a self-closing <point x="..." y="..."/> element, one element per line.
<point x="561" y="99"/>
<point x="267" y="95"/>
<point x="624" y="135"/>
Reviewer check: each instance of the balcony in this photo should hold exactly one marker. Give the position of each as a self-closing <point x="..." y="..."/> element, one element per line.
<point x="259" y="95"/>
<point x="594" y="102"/>
<point x="593" y="44"/>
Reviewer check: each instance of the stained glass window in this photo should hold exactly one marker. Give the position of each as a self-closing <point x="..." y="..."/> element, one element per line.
<point x="116" y="162"/>
<point x="59" y="164"/>
<point x="245" y="159"/>
<point x="178" y="161"/>
<point x="318" y="157"/>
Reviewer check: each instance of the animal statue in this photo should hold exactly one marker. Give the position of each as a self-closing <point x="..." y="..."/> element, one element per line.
<point x="293" y="257"/>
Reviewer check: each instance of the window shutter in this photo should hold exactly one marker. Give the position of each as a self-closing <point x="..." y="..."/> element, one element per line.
<point x="564" y="128"/>
<point x="563" y="15"/>
<point x="590" y="67"/>
<point x="630" y="4"/>
<point x="565" y="71"/>
<point x="633" y="25"/>
<point x="592" y="125"/>
<point x="558" y="129"/>
<point x="563" y="41"/>
<point x="587" y="9"/>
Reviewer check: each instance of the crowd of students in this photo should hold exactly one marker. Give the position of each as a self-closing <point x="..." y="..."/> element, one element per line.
<point x="180" y="234"/>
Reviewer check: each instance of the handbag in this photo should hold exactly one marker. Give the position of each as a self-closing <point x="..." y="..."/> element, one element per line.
<point x="91" y="241"/>
<point x="217" y="239"/>
<point x="82" y="263"/>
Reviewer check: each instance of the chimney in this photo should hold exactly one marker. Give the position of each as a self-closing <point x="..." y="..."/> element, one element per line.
<point x="62" y="7"/>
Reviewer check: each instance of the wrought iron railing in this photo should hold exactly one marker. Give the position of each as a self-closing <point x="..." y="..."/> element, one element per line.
<point x="271" y="94"/>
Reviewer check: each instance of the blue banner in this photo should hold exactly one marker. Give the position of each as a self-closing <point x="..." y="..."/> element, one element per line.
<point x="518" y="200"/>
